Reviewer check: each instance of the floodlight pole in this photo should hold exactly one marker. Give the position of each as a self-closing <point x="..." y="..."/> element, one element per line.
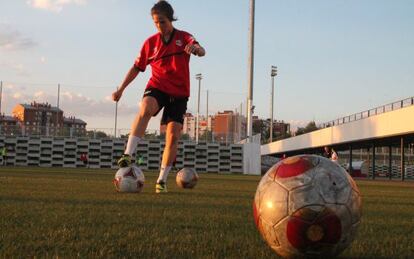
<point x="57" y="112"/>
<point x="250" y="74"/>
<point x="273" y="73"/>
<point x="198" y="77"/>
<point x="58" y="96"/>
<point x="207" y="129"/>
<point x="116" y="116"/>
<point x="1" y="94"/>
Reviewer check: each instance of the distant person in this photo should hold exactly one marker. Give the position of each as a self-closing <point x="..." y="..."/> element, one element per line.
<point x="334" y="156"/>
<point x="330" y="153"/>
<point x="168" y="53"/>
<point x="3" y="153"/>
<point x="84" y="159"/>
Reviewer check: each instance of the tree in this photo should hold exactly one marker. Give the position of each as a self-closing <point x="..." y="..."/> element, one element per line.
<point x="206" y="136"/>
<point x="96" y="134"/>
<point x="311" y="126"/>
<point x="149" y="135"/>
<point x="124" y="135"/>
<point x="185" y="137"/>
<point x="283" y="135"/>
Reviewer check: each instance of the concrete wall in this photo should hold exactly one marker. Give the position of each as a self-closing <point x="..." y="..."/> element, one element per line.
<point x="103" y="153"/>
<point x="383" y="125"/>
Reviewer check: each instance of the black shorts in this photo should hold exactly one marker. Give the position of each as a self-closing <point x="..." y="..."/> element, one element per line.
<point x="174" y="108"/>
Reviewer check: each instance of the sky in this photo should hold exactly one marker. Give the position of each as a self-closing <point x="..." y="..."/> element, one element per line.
<point x="334" y="57"/>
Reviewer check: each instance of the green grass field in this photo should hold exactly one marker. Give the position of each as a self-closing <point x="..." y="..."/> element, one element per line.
<point x="68" y="213"/>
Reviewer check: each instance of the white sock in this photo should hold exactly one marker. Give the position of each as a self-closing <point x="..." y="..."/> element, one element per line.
<point x="163" y="174"/>
<point x="132" y="144"/>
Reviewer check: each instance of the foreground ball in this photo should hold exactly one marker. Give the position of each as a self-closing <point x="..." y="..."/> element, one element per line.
<point x="307" y="206"/>
<point x="129" y="179"/>
<point x="186" y="178"/>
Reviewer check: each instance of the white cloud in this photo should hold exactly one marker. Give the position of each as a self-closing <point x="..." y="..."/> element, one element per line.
<point x="13" y="67"/>
<point x="73" y="104"/>
<point x="39" y="94"/>
<point x="42" y="60"/>
<point x="17" y="95"/>
<point x="54" y="5"/>
<point x="97" y="113"/>
<point x="9" y="86"/>
<point x="11" y="39"/>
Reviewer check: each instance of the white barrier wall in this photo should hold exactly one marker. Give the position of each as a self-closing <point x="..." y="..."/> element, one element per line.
<point x="103" y="153"/>
<point x="387" y="124"/>
<point x="251" y="158"/>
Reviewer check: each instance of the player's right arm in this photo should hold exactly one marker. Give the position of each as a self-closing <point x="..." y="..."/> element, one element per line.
<point x="140" y="64"/>
<point x="130" y="76"/>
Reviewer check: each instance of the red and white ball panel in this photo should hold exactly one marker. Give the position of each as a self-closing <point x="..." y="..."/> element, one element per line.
<point x="294" y="171"/>
<point x="274" y="203"/>
<point x="129" y="179"/>
<point x="307" y="206"/>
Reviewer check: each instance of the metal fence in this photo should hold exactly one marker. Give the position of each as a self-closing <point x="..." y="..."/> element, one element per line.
<point x="371" y="112"/>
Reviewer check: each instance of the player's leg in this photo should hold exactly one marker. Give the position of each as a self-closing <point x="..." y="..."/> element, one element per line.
<point x="149" y="107"/>
<point x="172" y="136"/>
<point x="173" y="117"/>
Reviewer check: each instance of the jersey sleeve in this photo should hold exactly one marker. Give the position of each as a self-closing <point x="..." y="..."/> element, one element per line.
<point x="141" y="61"/>
<point x="190" y="39"/>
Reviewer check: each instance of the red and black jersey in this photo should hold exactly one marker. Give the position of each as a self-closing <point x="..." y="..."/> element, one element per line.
<point x="169" y="63"/>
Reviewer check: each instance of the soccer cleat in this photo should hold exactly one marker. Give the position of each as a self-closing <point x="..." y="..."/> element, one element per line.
<point x="124" y="161"/>
<point x="161" y="187"/>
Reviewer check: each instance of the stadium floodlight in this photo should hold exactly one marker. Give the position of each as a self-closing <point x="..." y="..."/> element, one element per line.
<point x="250" y="73"/>
<point x="273" y="73"/>
<point x="198" y="77"/>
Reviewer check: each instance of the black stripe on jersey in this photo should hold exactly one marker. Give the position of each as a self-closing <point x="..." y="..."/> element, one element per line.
<point x="167" y="55"/>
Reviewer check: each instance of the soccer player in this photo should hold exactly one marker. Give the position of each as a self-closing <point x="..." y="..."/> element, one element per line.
<point x="168" y="53"/>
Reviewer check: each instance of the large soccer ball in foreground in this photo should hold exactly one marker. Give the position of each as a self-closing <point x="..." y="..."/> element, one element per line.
<point x="129" y="179"/>
<point x="186" y="178"/>
<point x="307" y="206"/>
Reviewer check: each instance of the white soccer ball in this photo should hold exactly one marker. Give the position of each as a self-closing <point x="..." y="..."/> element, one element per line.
<point x="307" y="206"/>
<point x="186" y="178"/>
<point x="129" y="179"/>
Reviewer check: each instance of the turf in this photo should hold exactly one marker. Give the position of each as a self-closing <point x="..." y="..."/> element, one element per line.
<point x="55" y="212"/>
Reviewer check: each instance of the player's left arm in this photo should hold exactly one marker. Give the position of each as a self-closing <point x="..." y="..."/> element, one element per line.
<point x="195" y="48"/>
<point x="192" y="46"/>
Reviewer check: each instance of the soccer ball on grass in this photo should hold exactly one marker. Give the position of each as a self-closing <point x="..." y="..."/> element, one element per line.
<point x="129" y="179"/>
<point x="186" y="178"/>
<point x="307" y="206"/>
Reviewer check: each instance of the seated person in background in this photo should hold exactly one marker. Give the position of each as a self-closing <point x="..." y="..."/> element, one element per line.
<point x="330" y="153"/>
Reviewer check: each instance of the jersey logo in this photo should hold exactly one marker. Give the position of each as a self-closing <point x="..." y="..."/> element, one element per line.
<point x="178" y="43"/>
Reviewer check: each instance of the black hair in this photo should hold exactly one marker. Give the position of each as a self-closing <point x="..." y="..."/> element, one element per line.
<point x="164" y="8"/>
